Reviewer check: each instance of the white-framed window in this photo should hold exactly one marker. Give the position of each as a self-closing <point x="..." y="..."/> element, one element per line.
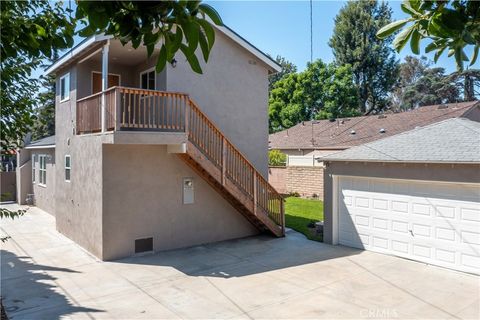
<point x="34" y="163"/>
<point x="42" y="169"/>
<point x="147" y="79"/>
<point x="65" y="87"/>
<point x="68" y="167"/>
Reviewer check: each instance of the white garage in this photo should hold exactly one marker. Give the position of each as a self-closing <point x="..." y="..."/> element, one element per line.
<point x="415" y="195"/>
<point x="436" y="223"/>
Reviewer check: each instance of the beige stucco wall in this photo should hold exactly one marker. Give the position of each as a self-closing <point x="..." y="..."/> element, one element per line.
<point x="45" y="193"/>
<point x="233" y="92"/>
<point x="430" y="172"/>
<point x="142" y="197"/>
<point x="78" y="202"/>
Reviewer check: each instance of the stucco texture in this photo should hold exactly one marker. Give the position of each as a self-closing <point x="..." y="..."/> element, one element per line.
<point x="142" y="197"/>
<point x="233" y="93"/>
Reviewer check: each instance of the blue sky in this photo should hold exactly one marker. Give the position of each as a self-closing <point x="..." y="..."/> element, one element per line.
<point x="283" y="27"/>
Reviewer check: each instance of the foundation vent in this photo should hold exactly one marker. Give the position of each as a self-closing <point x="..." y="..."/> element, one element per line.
<point x="143" y="245"/>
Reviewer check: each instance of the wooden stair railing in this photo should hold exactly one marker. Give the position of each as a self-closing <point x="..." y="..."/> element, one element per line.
<point x="209" y="152"/>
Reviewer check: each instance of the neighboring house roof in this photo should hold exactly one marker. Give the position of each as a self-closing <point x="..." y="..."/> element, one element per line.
<point x="450" y="141"/>
<point x="91" y="41"/>
<point x="44" y="143"/>
<point x="337" y="134"/>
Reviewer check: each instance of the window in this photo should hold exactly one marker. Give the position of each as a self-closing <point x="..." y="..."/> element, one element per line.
<point x="68" y="168"/>
<point x="42" y="170"/>
<point x="147" y="80"/>
<point x="34" y="160"/>
<point x="65" y="87"/>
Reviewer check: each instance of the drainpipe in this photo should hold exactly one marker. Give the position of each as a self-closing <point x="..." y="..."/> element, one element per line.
<point x="104" y="81"/>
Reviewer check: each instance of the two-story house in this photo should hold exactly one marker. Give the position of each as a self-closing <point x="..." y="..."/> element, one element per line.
<point x="145" y="161"/>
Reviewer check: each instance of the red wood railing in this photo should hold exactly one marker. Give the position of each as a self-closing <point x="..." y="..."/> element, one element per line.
<point x="139" y="109"/>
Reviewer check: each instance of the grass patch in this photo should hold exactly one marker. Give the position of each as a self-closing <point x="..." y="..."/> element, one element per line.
<point x="300" y="212"/>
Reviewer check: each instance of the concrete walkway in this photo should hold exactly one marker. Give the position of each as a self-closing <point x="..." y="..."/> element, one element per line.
<point x="46" y="276"/>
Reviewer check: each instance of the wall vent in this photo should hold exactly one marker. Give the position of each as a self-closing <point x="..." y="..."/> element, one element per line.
<point x="143" y="245"/>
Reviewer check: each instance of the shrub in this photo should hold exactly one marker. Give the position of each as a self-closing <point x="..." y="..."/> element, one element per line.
<point x="276" y="158"/>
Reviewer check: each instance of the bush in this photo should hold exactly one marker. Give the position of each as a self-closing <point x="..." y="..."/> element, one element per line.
<point x="276" y="158"/>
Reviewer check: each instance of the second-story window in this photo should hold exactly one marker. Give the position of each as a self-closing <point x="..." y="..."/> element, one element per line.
<point x="147" y="80"/>
<point x="65" y="87"/>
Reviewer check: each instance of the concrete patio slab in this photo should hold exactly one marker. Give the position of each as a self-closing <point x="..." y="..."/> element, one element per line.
<point x="47" y="276"/>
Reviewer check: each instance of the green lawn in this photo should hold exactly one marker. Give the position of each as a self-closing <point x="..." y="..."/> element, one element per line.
<point x="300" y="212"/>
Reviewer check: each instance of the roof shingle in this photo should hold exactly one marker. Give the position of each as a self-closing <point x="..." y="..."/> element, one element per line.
<point x="450" y="141"/>
<point x="337" y="134"/>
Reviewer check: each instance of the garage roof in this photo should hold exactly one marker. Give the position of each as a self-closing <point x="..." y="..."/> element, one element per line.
<point x="450" y="141"/>
<point x="44" y="143"/>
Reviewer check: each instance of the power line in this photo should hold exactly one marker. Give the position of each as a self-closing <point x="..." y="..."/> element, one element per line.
<point x="311" y="31"/>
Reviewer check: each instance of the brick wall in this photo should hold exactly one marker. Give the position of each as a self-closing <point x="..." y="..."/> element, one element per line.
<point x="305" y="180"/>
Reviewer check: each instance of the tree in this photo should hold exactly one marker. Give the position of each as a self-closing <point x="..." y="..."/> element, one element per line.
<point x="410" y="71"/>
<point x="373" y="61"/>
<point x="173" y="25"/>
<point x="451" y="25"/>
<point x="468" y="82"/>
<point x="44" y="124"/>
<point x="321" y="91"/>
<point x="433" y="87"/>
<point x="276" y="158"/>
<point x="287" y="68"/>
<point x="30" y="32"/>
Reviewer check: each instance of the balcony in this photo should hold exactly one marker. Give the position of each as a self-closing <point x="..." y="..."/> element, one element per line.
<point x="131" y="109"/>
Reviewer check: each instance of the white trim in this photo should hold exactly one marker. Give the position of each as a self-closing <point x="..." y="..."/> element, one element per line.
<point x="34" y="169"/>
<point x="411" y="180"/>
<point x="40" y="170"/>
<point x="154" y="78"/>
<point x="68" y="168"/>
<point x="75" y="51"/>
<point x="90" y="55"/>
<point x="67" y="90"/>
<point x="50" y="146"/>
<point x="335" y="211"/>
<point x="100" y="73"/>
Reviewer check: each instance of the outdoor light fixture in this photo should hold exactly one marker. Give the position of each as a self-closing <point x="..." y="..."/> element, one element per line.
<point x="173" y="62"/>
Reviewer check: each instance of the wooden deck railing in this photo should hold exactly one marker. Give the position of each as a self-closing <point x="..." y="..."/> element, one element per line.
<point x="139" y="109"/>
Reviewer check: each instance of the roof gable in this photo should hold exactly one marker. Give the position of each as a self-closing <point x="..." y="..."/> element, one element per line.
<point x="89" y="42"/>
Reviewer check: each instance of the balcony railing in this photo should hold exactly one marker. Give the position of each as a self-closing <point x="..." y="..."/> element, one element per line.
<point x="149" y="110"/>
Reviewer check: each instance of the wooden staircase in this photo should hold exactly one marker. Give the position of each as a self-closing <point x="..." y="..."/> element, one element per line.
<point x="218" y="161"/>
<point x="208" y="151"/>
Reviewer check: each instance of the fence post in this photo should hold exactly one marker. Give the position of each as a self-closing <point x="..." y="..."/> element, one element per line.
<point x="187" y="115"/>
<point x="118" y="108"/>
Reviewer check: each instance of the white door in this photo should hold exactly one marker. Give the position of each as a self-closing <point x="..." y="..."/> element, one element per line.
<point x="432" y="222"/>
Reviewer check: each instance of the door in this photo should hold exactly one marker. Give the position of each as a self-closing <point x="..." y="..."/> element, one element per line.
<point x="113" y="80"/>
<point x="432" y="222"/>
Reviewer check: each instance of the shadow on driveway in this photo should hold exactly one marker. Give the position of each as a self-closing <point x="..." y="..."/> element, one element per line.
<point x="243" y="257"/>
<point x="27" y="288"/>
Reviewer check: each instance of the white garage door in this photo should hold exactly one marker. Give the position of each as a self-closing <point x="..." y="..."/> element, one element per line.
<point x="436" y="223"/>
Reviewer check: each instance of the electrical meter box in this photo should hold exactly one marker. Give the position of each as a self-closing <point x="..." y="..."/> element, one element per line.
<point x="188" y="195"/>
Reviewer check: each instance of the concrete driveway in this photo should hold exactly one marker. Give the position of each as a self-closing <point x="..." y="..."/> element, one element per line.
<point x="46" y="276"/>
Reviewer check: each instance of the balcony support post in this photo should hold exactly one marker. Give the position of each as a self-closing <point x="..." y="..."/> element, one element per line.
<point x="104" y="81"/>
